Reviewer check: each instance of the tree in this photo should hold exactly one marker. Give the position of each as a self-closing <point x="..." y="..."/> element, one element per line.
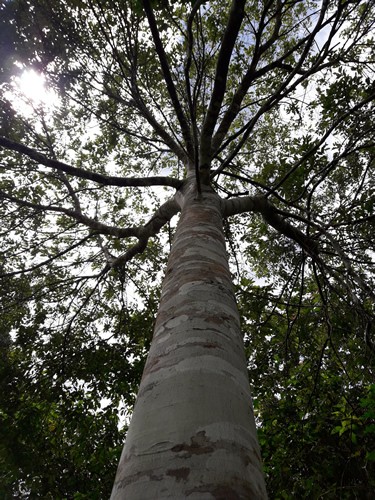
<point x="255" y="121"/>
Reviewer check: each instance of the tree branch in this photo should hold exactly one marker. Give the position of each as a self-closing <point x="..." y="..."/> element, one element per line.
<point x="185" y="128"/>
<point x="192" y="107"/>
<point x="232" y="29"/>
<point x="48" y="261"/>
<point x="272" y="216"/>
<point x="78" y="216"/>
<point x="312" y="150"/>
<point x="283" y="89"/>
<point x="162" y="215"/>
<point x="105" y="180"/>
<point x="269" y="212"/>
<point x="251" y="75"/>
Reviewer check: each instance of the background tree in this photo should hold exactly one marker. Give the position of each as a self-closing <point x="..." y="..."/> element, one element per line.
<point x="161" y="105"/>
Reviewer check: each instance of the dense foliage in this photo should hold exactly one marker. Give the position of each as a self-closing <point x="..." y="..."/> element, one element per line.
<point x="269" y="98"/>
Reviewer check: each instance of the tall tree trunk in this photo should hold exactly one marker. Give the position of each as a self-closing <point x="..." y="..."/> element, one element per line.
<point x="193" y="434"/>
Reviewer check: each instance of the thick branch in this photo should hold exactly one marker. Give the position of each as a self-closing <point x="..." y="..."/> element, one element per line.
<point x="262" y="205"/>
<point x="160" y="131"/>
<point x="105" y="180"/>
<point x="249" y="76"/>
<point x="192" y="107"/>
<point x="168" y="78"/>
<point x="277" y="95"/>
<point x="162" y="215"/>
<point x="78" y="216"/>
<point x="235" y="19"/>
<point x="270" y="214"/>
<point x="141" y="107"/>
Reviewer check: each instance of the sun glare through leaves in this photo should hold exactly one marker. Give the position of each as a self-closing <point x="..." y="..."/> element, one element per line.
<point x="32" y="86"/>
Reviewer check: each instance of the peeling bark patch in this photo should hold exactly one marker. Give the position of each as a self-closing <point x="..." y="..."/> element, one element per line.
<point x="149" y="475"/>
<point x="225" y="493"/>
<point x="199" y="445"/>
<point x="191" y="345"/>
<point x="147" y="387"/>
<point x="180" y="474"/>
<point x="239" y="490"/>
<point x="172" y="323"/>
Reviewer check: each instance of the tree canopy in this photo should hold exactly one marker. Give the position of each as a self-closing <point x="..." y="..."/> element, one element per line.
<point x="272" y="103"/>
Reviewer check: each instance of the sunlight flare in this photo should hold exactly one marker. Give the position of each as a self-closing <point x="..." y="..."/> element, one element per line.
<point x="33" y="87"/>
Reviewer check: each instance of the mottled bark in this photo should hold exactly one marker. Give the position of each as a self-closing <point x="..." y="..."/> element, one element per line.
<point x="193" y="433"/>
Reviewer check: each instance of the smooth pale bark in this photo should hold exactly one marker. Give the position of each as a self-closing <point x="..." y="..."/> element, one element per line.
<point x="193" y="434"/>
